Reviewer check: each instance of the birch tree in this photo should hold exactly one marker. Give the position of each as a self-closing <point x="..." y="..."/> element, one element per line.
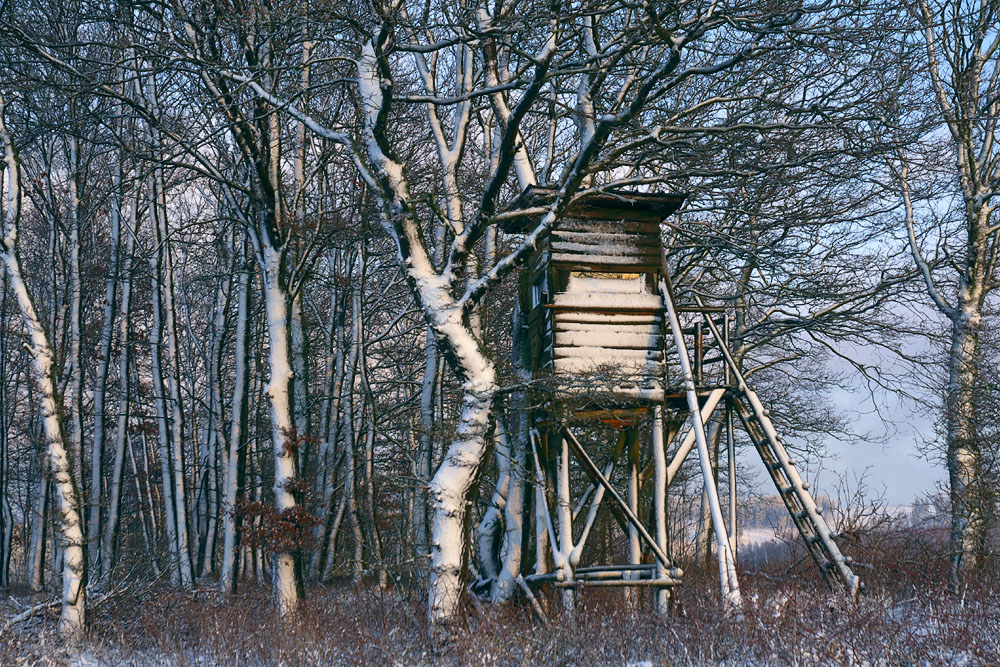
<point x="74" y="570"/>
<point x="325" y="140"/>
<point x="957" y="257"/>
<point x="468" y="58"/>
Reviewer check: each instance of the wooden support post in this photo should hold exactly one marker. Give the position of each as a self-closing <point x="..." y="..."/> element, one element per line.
<point x="564" y="512"/>
<point x="727" y="564"/>
<point x="661" y="596"/>
<point x="544" y="532"/>
<point x="731" y="456"/>
<point x="634" y="551"/>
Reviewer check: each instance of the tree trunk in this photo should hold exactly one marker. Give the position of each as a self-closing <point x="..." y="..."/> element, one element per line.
<point x="326" y="477"/>
<point x="121" y="433"/>
<point x="74" y="573"/>
<point x="350" y="439"/>
<point x="74" y="388"/>
<point x="450" y="490"/>
<point x="6" y="514"/>
<point x="511" y="546"/>
<point x="287" y="582"/>
<point x="39" y="521"/>
<point x="426" y="447"/>
<point x="968" y="525"/>
<point x="236" y="470"/>
<point x="300" y="366"/>
<point x="209" y="486"/>
<point x="163" y="427"/>
<point x="101" y="384"/>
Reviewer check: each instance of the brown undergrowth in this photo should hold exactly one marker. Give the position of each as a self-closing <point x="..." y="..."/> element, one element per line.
<point x="788" y="618"/>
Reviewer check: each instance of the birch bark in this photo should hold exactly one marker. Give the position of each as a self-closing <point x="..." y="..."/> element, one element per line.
<point x="6" y="513"/>
<point x="963" y="66"/>
<point x="287" y="562"/>
<point x="121" y="430"/>
<point x="94" y="526"/>
<point x="236" y="468"/>
<point x="74" y="570"/>
<point x="74" y="372"/>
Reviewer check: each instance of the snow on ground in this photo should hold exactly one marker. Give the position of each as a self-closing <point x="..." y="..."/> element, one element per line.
<point x="753" y="537"/>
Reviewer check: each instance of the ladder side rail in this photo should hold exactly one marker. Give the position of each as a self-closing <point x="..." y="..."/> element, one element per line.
<point x="809" y="505"/>
<point x="727" y="561"/>
<point x="822" y="529"/>
<point x="794" y="505"/>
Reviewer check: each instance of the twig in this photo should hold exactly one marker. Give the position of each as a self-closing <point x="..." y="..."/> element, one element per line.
<point x="534" y="601"/>
<point x="92" y="603"/>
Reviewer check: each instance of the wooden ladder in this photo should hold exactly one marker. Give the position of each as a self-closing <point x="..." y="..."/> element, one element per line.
<point x="806" y="514"/>
<point x="819" y="539"/>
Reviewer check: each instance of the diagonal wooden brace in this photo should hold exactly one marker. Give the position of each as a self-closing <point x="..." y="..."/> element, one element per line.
<point x="595" y="473"/>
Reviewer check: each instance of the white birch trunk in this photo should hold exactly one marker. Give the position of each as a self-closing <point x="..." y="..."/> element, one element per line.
<point x="450" y="490"/>
<point x="350" y="439"/>
<point x="235" y="470"/>
<point x="968" y="528"/>
<point x="215" y="442"/>
<point x="513" y="519"/>
<point x="426" y="447"/>
<point x="325" y="534"/>
<point x="39" y="519"/>
<point x="300" y="367"/>
<point x="162" y="422"/>
<point x="287" y="560"/>
<point x="6" y="512"/>
<point x="121" y="431"/>
<point x="74" y="388"/>
<point x="491" y="524"/>
<point x="175" y="451"/>
<point x="961" y="67"/>
<point x="94" y="526"/>
<point x="74" y="573"/>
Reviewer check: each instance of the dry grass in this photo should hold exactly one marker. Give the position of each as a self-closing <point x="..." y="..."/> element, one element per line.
<point x="788" y="619"/>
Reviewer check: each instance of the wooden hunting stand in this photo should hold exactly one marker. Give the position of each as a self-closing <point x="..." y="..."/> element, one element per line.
<point x="607" y="345"/>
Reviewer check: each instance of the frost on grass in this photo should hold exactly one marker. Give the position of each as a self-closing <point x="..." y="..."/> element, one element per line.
<point x="788" y="618"/>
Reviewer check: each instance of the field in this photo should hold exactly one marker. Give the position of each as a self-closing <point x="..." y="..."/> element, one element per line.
<point x="906" y="616"/>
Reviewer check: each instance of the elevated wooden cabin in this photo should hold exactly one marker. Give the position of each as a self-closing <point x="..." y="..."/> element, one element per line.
<point x="592" y="310"/>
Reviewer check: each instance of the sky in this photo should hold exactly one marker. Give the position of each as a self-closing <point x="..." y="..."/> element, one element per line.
<point x="892" y="461"/>
<point x="888" y="454"/>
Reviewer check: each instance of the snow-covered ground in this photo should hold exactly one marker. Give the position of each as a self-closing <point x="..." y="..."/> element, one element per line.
<point x="753" y="537"/>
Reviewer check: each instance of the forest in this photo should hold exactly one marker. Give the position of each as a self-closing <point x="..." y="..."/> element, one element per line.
<point x="267" y="387"/>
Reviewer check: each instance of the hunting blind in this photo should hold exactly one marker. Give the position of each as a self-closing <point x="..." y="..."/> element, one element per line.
<point x="610" y="343"/>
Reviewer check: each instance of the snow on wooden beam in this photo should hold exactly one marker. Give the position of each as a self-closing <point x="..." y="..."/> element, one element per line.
<point x="610" y="204"/>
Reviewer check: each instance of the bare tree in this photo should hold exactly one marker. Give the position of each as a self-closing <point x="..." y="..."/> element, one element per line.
<point x="74" y="570"/>
<point x="955" y="244"/>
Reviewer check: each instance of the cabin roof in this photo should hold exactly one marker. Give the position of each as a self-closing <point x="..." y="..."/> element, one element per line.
<point x="612" y="204"/>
